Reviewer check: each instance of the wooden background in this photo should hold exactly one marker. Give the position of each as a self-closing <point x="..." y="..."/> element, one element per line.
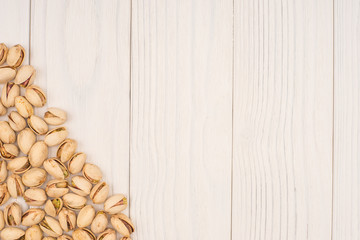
<point x="219" y="119"/>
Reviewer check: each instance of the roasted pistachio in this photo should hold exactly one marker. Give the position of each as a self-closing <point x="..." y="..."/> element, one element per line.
<point x="38" y="153"/>
<point x="56" y="168"/>
<point x="25" y="76"/>
<point x="3" y="171"/>
<point x="57" y="188"/>
<point x="123" y="238"/>
<point x="64" y="237"/>
<point x="4" y="194"/>
<point x="49" y="238"/>
<point x="76" y="162"/>
<point x="80" y="186"/>
<point x="9" y="151"/>
<point x="35" y="95"/>
<point x="12" y="214"/>
<point x="85" y="216"/>
<point x="67" y="219"/>
<point x="25" y="140"/>
<point x="12" y="233"/>
<point x="55" y="116"/>
<point x="7" y="73"/>
<point x="32" y="216"/>
<point x="7" y="134"/>
<point x="56" y="136"/>
<point x="19" y="165"/>
<point x="122" y="224"/>
<point x="35" y="177"/>
<point x="66" y="150"/>
<point x="9" y="92"/>
<point x="15" y="186"/>
<point x="99" y="192"/>
<point x="92" y="173"/>
<point x="3" y="109"/>
<point x="16" y="121"/>
<point x="23" y="107"/>
<point x="2" y="220"/>
<point x="3" y="53"/>
<point x="15" y="56"/>
<point x="53" y="207"/>
<point x="33" y="233"/>
<point x="108" y="234"/>
<point x="51" y="227"/>
<point x="115" y="204"/>
<point x="35" y="196"/>
<point x="99" y="223"/>
<point x="74" y="201"/>
<point x="37" y="124"/>
<point x="83" y="234"/>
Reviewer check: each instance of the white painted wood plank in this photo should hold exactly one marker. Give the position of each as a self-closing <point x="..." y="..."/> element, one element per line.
<point x="81" y="50"/>
<point x="181" y="119"/>
<point x="282" y="184"/>
<point x="346" y="216"/>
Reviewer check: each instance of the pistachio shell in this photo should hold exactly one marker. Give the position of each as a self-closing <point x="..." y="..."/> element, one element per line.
<point x="15" y="186"/>
<point x="9" y="92"/>
<point x="12" y="214"/>
<point x="92" y="173"/>
<point x="55" y="116"/>
<point x="16" y="121"/>
<point x="32" y="216"/>
<point x="53" y="207"/>
<point x="7" y="73"/>
<point x="56" y="168"/>
<point x="66" y="150"/>
<point x="3" y="109"/>
<point x="4" y="194"/>
<point x="3" y="53"/>
<point x="76" y="162"/>
<point x="35" y="196"/>
<point x="123" y="238"/>
<point x="3" y="170"/>
<point x="85" y="216"/>
<point x="57" y="188"/>
<point x="33" y="233"/>
<point x="15" y="56"/>
<point x="23" y="107"/>
<point x="38" y="125"/>
<point x="25" y="76"/>
<point x="9" y="151"/>
<point x="56" y="136"/>
<point x="99" y="193"/>
<point x="115" y="204"/>
<point x="83" y="234"/>
<point x="74" y="201"/>
<point x="12" y="233"/>
<point x="99" y="223"/>
<point x="51" y="227"/>
<point x="67" y="219"/>
<point x="19" y="165"/>
<point x="80" y="186"/>
<point x="49" y="238"/>
<point x="108" y="234"/>
<point x="7" y="134"/>
<point x="122" y="224"/>
<point x="2" y="220"/>
<point x="26" y="139"/>
<point x="38" y="153"/>
<point x="35" y="177"/>
<point x="64" y="237"/>
<point x="35" y="95"/>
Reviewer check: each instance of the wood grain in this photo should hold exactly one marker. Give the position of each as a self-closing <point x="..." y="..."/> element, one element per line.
<point x="346" y="216"/>
<point x="282" y="184"/>
<point x="181" y="108"/>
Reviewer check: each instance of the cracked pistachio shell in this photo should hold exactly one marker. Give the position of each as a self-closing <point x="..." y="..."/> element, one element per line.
<point x="33" y="233"/>
<point x="99" y="192"/>
<point x="16" y="121"/>
<point x="51" y="227"/>
<point x="38" y="153"/>
<point x="122" y="224"/>
<point x="99" y="223"/>
<point x="56" y="168"/>
<point x="25" y="76"/>
<point x="15" y="56"/>
<point x="7" y="73"/>
<point x="53" y="207"/>
<point x="74" y="201"/>
<point x="12" y="233"/>
<point x="9" y="92"/>
<point x="19" y="165"/>
<point x="15" y="186"/>
<point x="34" y="177"/>
<point x="37" y="124"/>
<point x="57" y="188"/>
<point x="92" y="173"/>
<point x="35" y="196"/>
<point x="12" y="214"/>
<point x="4" y="194"/>
<point x="66" y="150"/>
<point x="64" y="237"/>
<point x="35" y="95"/>
<point x="80" y="186"/>
<point x="7" y="134"/>
<point x="9" y="151"/>
<point x="83" y="234"/>
<point x="125" y="238"/>
<point x="55" y="116"/>
<point x="32" y="216"/>
<point x="85" y="216"/>
<point x="76" y="162"/>
<point x="3" y="109"/>
<point x="3" y="53"/>
<point x="3" y="170"/>
<point x="56" y="136"/>
<point x="49" y="238"/>
<point x="2" y="220"/>
<point x="67" y="219"/>
<point x="108" y="234"/>
<point x="23" y="107"/>
<point x="115" y="204"/>
<point x="25" y="140"/>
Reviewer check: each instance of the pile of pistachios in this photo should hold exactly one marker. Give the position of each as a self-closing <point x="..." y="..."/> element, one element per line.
<point x="58" y="190"/>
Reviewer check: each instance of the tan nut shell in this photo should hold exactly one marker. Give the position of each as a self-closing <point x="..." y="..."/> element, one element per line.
<point x="15" y="186"/>
<point x="85" y="216"/>
<point x="53" y="207"/>
<point x="66" y="150"/>
<point x="7" y="73"/>
<point x="3" y="170"/>
<point x="122" y="224"/>
<point x="7" y="134"/>
<point x="26" y="139"/>
<point x="23" y="107"/>
<point x="35" y="95"/>
<point x="12" y="214"/>
<point x="16" y="121"/>
<point x="37" y="124"/>
<point x="2" y="220"/>
<point x="38" y="153"/>
<point x="34" y="177"/>
<point x="3" y="53"/>
<point x="57" y="188"/>
<point x="74" y="201"/>
<point x="108" y="234"/>
<point x="9" y="92"/>
<point x="99" y="223"/>
<point x="9" y="151"/>
<point x="76" y="163"/>
<point x="51" y="227"/>
<point x="4" y="194"/>
<point x="35" y="196"/>
<point x="32" y="216"/>
<point x="115" y="204"/>
<point x="55" y="116"/>
<point x="56" y="168"/>
<point x="33" y="233"/>
<point x="12" y="233"/>
<point x="15" y="56"/>
<point x="56" y="136"/>
<point x="99" y="192"/>
<point x="80" y="186"/>
<point x="25" y="76"/>
<point x="19" y="165"/>
<point x="67" y="219"/>
<point x="92" y="173"/>
<point x="83" y="234"/>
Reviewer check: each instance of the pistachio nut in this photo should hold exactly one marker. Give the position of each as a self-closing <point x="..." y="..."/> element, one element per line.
<point x="67" y="219"/>
<point x="99" y="223"/>
<point x="92" y="173"/>
<point x="108" y="234"/>
<point x="9" y="151"/>
<point x="64" y="237"/>
<point x="80" y="186"/>
<point x="99" y="192"/>
<point x="25" y="76"/>
<point x="7" y="73"/>
<point x="4" y="194"/>
<point x="55" y="116"/>
<point x="37" y="124"/>
<point x="16" y="121"/>
<point x="25" y="140"/>
<point x="9" y="92"/>
<point x="53" y="207"/>
<point x="15" y="186"/>
<point x="12" y="214"/>
<point x="32" y="216"/>
<point x="35" y="196"/>
<point x="38" y="153"/>
<point x="19" y="165"/>
<point x="85" y="216"/>
<point x="7" y="134"/>
<point x="15" y="56"/>
<point x="56" y="168"/>
<point x="66" y="150"/>
<point x="34" y="177"/>
<point x="83" y="234"/>
<point x="35" y="95"/>
<point x="2" y="220"/>
<point x="3" y="171"/>
<point x="115" y="204"/>
<point x="49" y="238"/>
<point x="12" y="233"/>
<point x="23" y="107"/>
<point x="51" y="227"/>
<point x="3" y="109"/>
<point x="56" y="136"/>
<point x="57" y="188"/>
<point x="3" y="53"/>
<point x="76" y="162"/>
<point x="33" y="233"/>
<point x="74" y="201"/>
<point x="123" y="238"/>
<point x="122" y="224"/>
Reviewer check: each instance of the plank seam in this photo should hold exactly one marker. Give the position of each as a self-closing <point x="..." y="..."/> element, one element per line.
<point x="232" y="120"/>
